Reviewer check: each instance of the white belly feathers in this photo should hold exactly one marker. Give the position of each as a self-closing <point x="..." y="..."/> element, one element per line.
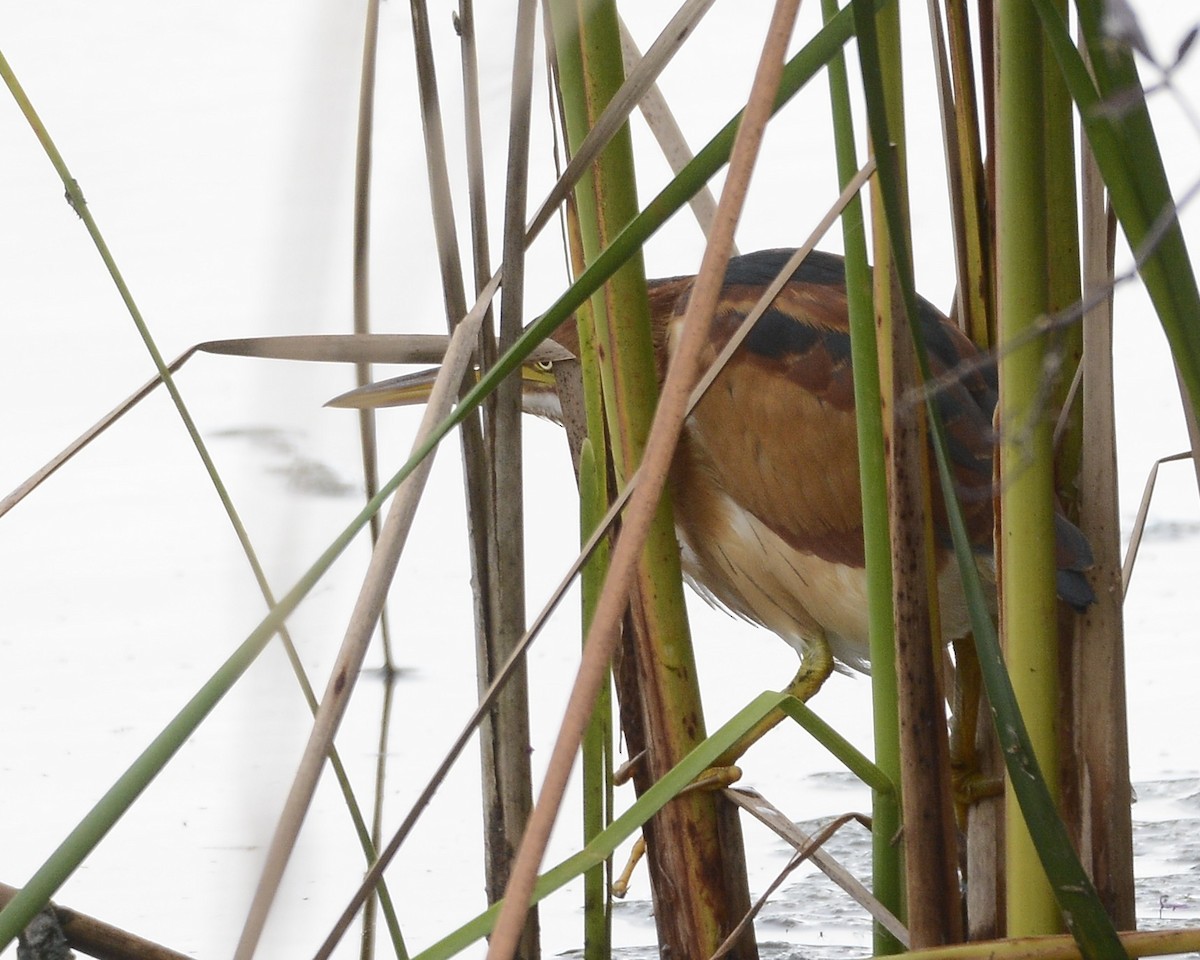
<point x="799" y="595"/>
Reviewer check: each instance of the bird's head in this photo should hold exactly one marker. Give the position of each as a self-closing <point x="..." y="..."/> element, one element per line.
<point x="538" y="391"/>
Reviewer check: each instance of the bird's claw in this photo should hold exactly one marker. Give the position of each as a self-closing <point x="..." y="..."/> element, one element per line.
<point x="620" y="886"/>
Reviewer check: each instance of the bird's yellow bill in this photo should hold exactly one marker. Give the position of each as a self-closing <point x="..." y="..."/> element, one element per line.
<point x="414" y="388"/>
<point x="410" y="389"/>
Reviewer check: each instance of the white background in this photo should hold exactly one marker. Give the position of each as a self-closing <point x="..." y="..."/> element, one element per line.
<point x="214" y="142"/>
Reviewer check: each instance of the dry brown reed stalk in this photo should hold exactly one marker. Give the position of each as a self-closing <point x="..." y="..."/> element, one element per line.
<point x="358" y="633"/>
<point x="660" y="447"/>
<point x="99" y="939"/>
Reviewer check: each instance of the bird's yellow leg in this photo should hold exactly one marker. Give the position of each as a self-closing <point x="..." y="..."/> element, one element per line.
<point x="970" y="784"/>
<point x="620" y="886"/>
<point x="816" y="664"/>
<point x="714" y="778"/>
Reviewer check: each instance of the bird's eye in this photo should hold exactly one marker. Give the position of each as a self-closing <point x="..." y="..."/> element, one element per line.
<point x="545" y="366"/>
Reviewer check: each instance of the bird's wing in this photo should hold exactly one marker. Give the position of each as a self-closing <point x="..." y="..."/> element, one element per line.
<point x="964" y="392"/>
<point x="778" y="426"/>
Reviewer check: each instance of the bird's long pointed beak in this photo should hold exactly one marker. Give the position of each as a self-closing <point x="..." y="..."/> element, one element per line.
<point x="414" y="388"/>
<point x="408" y="390"/>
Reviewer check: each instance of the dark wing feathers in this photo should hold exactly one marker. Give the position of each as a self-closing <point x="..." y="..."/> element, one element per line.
<point x="777" y="427"/>
<point x="805" y="337"/>
<point x="808" y="431"/>
<point x="1072" y="556"/>
<point x="760" y="268"/>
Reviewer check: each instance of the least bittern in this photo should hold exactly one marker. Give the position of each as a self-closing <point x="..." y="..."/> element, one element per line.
<point x="765" y="480"/>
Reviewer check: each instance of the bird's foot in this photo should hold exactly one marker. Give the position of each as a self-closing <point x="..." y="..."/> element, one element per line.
<point x="714" y="778"/>
<point x="624" y="773"/>
<point x="620" y="886"/>
<point x="969" y="781"/>
<point x="815" y="667"/>
<point x="971" y="786"/>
